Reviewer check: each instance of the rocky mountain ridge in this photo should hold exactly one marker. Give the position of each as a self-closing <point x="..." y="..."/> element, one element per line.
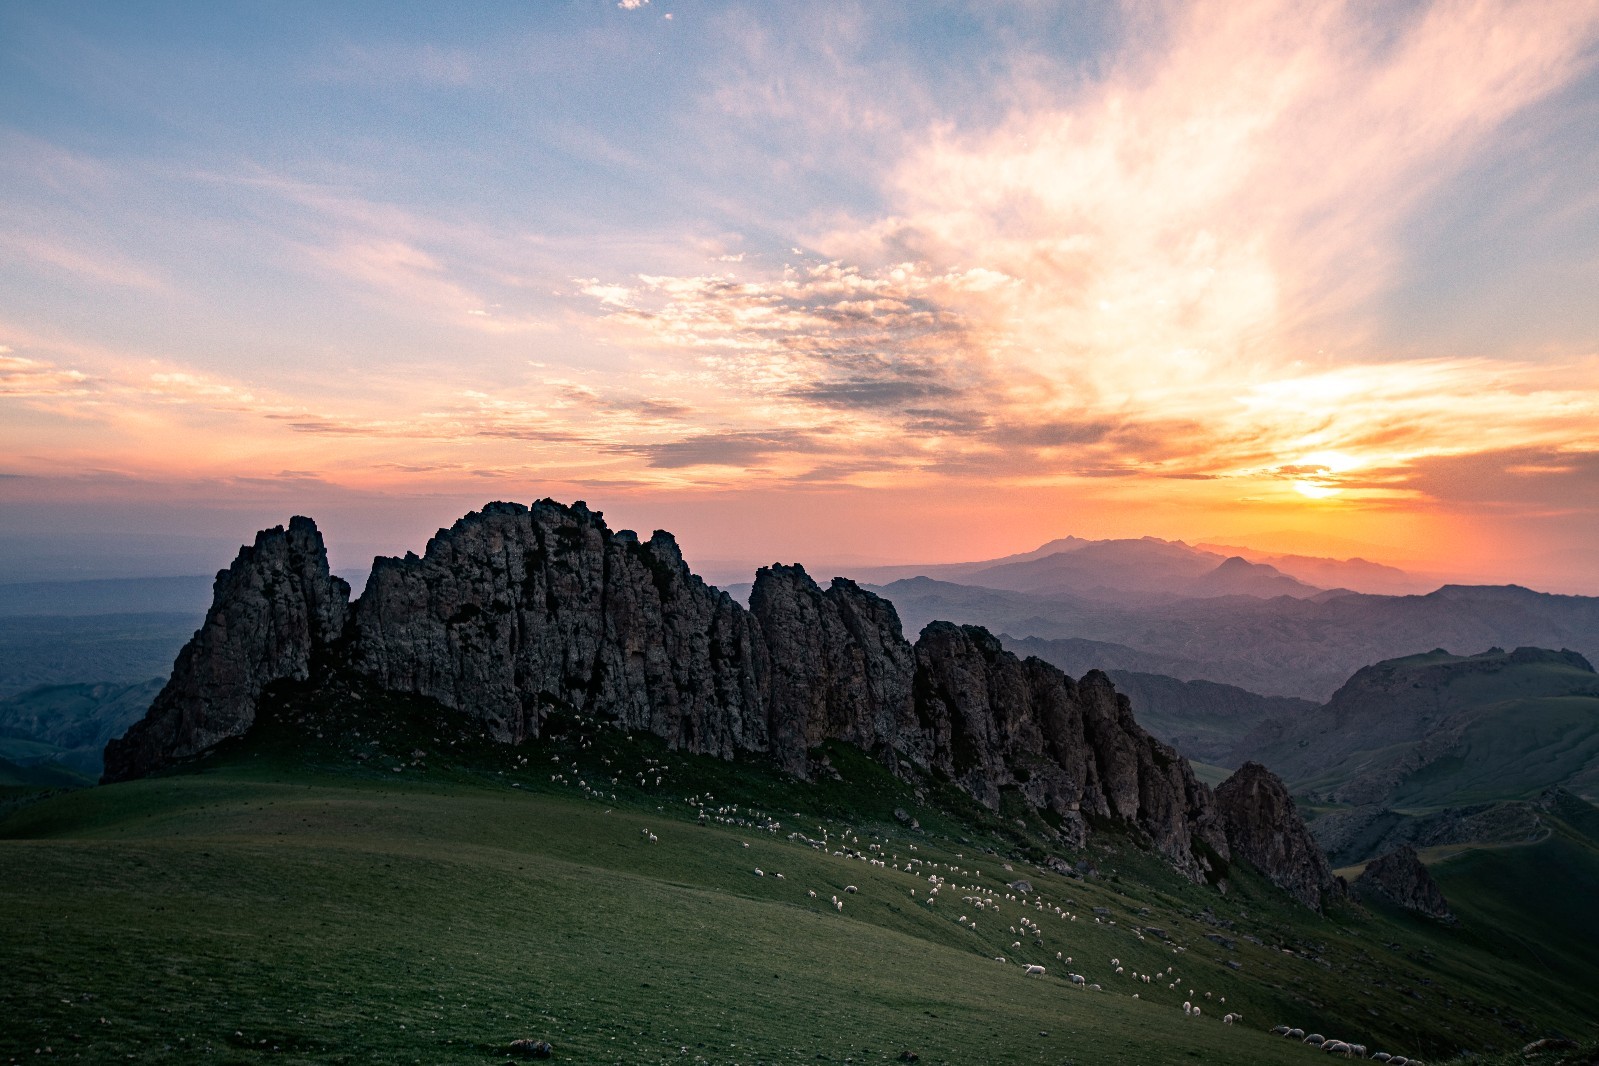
<point x="518" y="611"/>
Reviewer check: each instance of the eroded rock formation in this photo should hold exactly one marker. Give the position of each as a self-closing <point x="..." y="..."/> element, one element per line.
<point x="517" y="611"/>
<point x="273" y="614"/>
<point x="1264" y="828"/>
<point x="1401" y="877"/>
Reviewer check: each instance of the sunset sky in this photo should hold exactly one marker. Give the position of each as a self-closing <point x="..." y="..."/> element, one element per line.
<point x="908" y="281"/>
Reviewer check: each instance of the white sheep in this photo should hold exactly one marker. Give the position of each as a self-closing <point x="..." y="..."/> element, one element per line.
<point x="1034" y="969"/>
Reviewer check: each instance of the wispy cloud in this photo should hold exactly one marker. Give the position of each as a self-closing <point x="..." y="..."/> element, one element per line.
<point x="1171" y="270"/>
<point x="20" y="377"/>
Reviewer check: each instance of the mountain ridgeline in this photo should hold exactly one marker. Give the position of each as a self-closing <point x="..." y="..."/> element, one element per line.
<point x="517" y="612"/>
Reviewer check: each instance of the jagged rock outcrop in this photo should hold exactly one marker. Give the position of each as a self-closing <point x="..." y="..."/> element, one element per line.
<point x="1264" y="828"/>
<point x="999" y="722"/>
<point x="840" y="668"/>
<point x="516" y="611"/>
<point x="1400" y="876"/>
<point x="273" y="615"/>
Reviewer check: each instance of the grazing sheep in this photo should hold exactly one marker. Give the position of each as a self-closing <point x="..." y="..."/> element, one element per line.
<point x="838" y="904"/>
<point x="851" y="889"/>
<point x="1033" y="969"/>
<point x="810" y="894"/>
<point x="1336" y="1047"/>
<point x="1279" y="1030"/>
<point x="1227" y="1019"/>
<point x="1188" y="1008"/>
<point x="1381" y="1056"/>
<point x="1197" y="1012"/>
<point x="1076" y="979"/>
<point x="999" y="958"/>
<point x="1315" y="1039"/>
<point x="1295" y="1034"/>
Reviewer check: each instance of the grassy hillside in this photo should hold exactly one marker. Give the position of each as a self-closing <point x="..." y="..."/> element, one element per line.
<point x="348" y="885"/>
<point x="70" y="724"/>
<point x="1512" y="749"/>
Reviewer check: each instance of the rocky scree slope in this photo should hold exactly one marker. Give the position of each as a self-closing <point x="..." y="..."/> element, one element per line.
<point x="516" y="611"/>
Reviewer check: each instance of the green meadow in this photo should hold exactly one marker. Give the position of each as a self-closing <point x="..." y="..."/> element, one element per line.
<point x="349" y="886"/>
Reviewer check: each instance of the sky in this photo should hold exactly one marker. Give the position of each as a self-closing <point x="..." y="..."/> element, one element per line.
<point x="886" y="282"/>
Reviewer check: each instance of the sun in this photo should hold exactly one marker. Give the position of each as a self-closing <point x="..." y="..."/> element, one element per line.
<point x="1315" y="491"/>
<point x="1319" y="473"/>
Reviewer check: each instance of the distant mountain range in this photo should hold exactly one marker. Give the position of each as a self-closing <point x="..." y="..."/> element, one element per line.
<point x="1148" y="567"/>
<point x="1277" y="647"/>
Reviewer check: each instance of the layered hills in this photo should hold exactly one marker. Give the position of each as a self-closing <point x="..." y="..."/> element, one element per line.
<point x="1152" y="568"/>
<point x="517" y="613"/>
<point x="1282" y="646"/>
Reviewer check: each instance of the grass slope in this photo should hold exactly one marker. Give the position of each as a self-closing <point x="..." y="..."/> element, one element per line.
<point x="1513" y="750"/>
<point x="70" y="724"/>
<point x="288" y="901"/>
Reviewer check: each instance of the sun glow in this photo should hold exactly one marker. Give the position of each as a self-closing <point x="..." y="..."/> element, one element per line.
<point x="1332" y="462"/>
<point x="1315" y="491"/>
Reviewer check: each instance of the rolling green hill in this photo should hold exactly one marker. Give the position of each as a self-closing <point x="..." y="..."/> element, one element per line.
<point x="1434" y="730"/>
<point x="347" y="884"/>
<point x="70" y="724"/>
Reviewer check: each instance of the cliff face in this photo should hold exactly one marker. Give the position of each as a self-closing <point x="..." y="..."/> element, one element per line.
<point x="840" y="669"/>
<point x="273" y="614"/>
<point x="515" y="611"/>
<point x="1264" y="828"/>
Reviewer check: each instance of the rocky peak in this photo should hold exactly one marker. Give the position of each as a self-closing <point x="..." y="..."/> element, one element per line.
<point x="516" y="611"/>
<point x="1400" y="877"/>
<point x="273" y="615"/>
<point x="1264" y="828"/>
<point x="840" y="667"/>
